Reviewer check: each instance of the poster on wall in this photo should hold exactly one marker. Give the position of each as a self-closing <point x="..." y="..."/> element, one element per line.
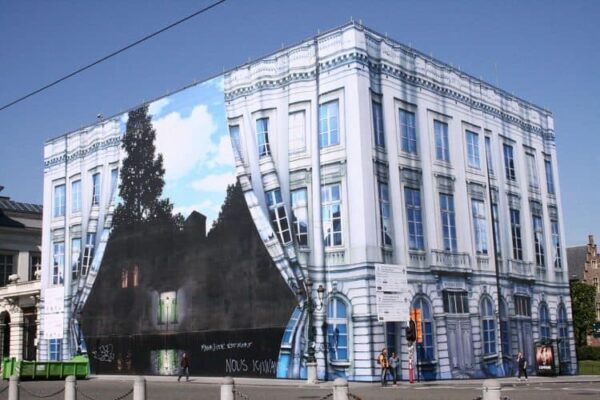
<point x="545" y="358"/>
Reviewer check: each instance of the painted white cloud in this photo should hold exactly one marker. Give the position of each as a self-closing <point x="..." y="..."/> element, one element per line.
<point x="223" y="154"/>
<point x="125" y="118"/>
<point x="157" y="106"/>
<point x="214" y="183"/>
<point x="184" y="142"/>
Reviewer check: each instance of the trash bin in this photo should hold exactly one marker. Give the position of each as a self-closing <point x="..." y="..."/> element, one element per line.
<point x="77" y="366"/>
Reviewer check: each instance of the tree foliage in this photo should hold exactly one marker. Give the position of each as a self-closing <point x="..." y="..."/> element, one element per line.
<point x="583" y="297"/>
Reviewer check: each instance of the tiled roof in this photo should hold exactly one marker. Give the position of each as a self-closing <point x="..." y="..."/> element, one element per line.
<point x="15" y="206"/>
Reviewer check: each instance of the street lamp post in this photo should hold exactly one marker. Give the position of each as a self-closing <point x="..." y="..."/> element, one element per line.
<point x="310" y="305"/>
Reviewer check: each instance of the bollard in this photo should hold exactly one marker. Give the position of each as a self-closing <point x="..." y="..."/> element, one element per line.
<point x="70" y="388"/>
<point x="139" y="388"/>
<point x="491" y="389"/>
<point x="340" y="389"/>
<point x="13" y="388"/>
<point x="311" y="373"/>
<point x="227" y="389"/>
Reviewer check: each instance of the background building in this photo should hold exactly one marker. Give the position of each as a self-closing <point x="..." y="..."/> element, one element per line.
<point x="20" y="264"/>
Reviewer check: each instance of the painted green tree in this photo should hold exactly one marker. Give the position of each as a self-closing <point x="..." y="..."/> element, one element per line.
<point x="584" y="315"/>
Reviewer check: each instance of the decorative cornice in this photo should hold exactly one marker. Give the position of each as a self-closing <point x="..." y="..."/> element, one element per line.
<point x="113" y="141"/>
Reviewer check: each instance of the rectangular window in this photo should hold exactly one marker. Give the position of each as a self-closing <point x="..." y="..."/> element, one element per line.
<point x="76" y="196"/>
<point x="456" y="302"/>
<point x="297" y="131"/>
<point x="515" y="228"/>
<point x="488" y="155"/>
<point x="35" y="267"/>
<point x="442" y="149"/>
<point x="496" y="228"/>
<point x="54" y="349"/>
<point x="234" y="135"/>
<point x="523" y="306"/>
<point x="549" y="176"/>
<point x="279" y="219"/>
<point x="473" y="149"/>
<point x="75" y="257"/>
<point x="300" y="215"/>
<point x="331" y="212"/>
<point x="414" y="219"/>
<point x="408" y="132"/>
<point x="88" y="253"/>
<point x="262" y="137"/>
<point x="114" y="181"/>
<point x="448" y="221"/>
<point x="6" y="268"/>
<point x="378" y="125"/>
<point x="328" y="124"/>
<point x="509" y="163"/>
<point x="58" y="264"/>
<point x="59" y="201"/>
<point x="385" y="214"/>
<point x="538" y="240"/>
<point x="479" y="226"/>
<point x="532" y="175"/>
<point x="556" y="244"/>
<point x="167" y="308"/>
<point x="96" y="189"/>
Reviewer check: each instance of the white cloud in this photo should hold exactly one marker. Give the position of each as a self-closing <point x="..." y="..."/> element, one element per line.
<point x="184" y="142"/>
<point x="223" y="154"/>
<point x="214" y="183"/>
<point x="157" y="106"/>
<point x="125" y="118"/>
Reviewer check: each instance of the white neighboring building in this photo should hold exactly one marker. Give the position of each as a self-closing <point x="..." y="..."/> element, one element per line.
<point x="360" y="150"/>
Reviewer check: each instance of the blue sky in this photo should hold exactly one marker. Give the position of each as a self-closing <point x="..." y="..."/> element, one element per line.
<point x="544" y="51"/>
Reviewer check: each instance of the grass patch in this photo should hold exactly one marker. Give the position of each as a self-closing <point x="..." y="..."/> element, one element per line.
<point x="589" y="367"/>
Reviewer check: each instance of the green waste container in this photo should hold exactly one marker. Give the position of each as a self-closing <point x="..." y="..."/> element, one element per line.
<point x="77" y="366"/>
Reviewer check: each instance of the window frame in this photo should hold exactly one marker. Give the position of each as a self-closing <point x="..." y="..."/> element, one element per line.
<point x="335" y="320"/>
<point x="385" y="214"/>
<point x="328" y="136"/>
<point x="263" y="145"/>
<point x="278" y="215"/>
<point x="480" y="235"/>
<point x="448" y="222"/>
<point x="442" y="140"/>
<point x="473" y="149"/>
<point x="327" y="205"/>
<point x="408" y="133"/>
<point x="59" y="208"/>
<point x="488" y="326"/>
<point x="378" y="124"/>
<point x="510" y="169"/>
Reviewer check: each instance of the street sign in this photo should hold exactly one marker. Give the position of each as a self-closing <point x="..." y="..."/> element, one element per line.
<point x="391" y="284"/>
<point x="392" y="307"/>
<point x="391" y="278"/>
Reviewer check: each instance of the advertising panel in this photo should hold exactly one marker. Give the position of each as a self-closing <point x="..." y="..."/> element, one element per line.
<point x="545" y="358"/>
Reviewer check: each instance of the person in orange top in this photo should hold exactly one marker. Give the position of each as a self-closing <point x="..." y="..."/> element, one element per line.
<point x="384" y="364"/>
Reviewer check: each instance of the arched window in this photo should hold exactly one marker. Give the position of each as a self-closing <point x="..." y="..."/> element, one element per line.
<point x="563" y="333"/>
<point x="504" y="328"/>
<point x="488" y="325"/>
<point x="425" y="350"/>
<point x="544" y="322"/>
<point x="337" y="330"/>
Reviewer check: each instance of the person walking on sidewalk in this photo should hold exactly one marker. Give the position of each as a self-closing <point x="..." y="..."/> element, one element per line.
<point x="394" y="364"/>
<point x="383" y="362"/>
<point x="522" y="365"/>
<point x="184" y="369"/>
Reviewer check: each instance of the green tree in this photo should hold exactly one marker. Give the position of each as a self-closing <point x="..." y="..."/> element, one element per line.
<point x="583" y="298"/>
<point x="142" y="177"/>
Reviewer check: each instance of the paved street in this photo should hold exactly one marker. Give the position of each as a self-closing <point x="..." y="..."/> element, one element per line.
<point x="109" y="388"/>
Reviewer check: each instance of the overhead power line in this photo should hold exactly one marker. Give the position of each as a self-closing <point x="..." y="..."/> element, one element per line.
<point x="166" y="28"/>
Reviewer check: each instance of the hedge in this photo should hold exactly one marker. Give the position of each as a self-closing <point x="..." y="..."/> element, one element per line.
<point x="588" y="353"/>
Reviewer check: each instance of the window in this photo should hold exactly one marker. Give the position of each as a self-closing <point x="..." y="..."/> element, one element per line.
<point x="473" y="149"/>
<point x="488" y="155"/>
<point x="6" y="268"/>
<point x="300" y="215"/>
<point x="522" y="306"/>
<point x="442" y="150"/>
<point x="262" y="137"/>
<point x="291" y="327"/>
<point x="544" y="322"/>
<point x="408" y="132"/>
<point x="88" y="253"/>
<point x="331" y="212"/>
<point x="58" y="257"/>
<point x="515" y="229"/>
<point x="297" y="132"/>
<point x="496" y="228"/>
<point x="488" y="324"/>
<point x="35" y="265"/>
<point x="337" y="330"/>
<point x="114" y="181"/>
<point x="532" y="175"/>
<point x="378" y="125"/>
<point x="96" y="189"/>
<point x="124" y="278"/>
<point x="448" y="221"/>
<point x="414" y="219"/>
<point x="479" y="226"/>
<point x="425" y="350"/>
<point x="391" y="336"/>
<point x="549" y="177"/>
<point x="509" y="163"/>
<point x="136" y="275"/>
<point x="279" y="219"/>
<point x="563" y="334"/>
<point x="385" y="214"/>
<point x="328" y="124"/>
<point x="234" y="135"/>
<point x="504" y="329"/>
<point x="75" y="257"/>
<point x="59" y="201"/>
<point x="538" y="240"/>
<point x="55" y="349"/>
<point x="556" y="244"/>
<point x="167" y="308"/>
<point x="456" y="302"/>
<point x="595" y="283"/>
<point x="76" y="196"/>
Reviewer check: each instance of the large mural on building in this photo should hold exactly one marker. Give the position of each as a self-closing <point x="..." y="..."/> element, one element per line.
<point x="183" y="268"/>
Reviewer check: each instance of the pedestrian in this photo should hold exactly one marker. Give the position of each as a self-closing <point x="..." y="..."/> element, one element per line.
<point x="184" y="368"/>
<point x="383" y="362"/>
<point x="522" y="365"/>
<point x="394" y="364"/>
